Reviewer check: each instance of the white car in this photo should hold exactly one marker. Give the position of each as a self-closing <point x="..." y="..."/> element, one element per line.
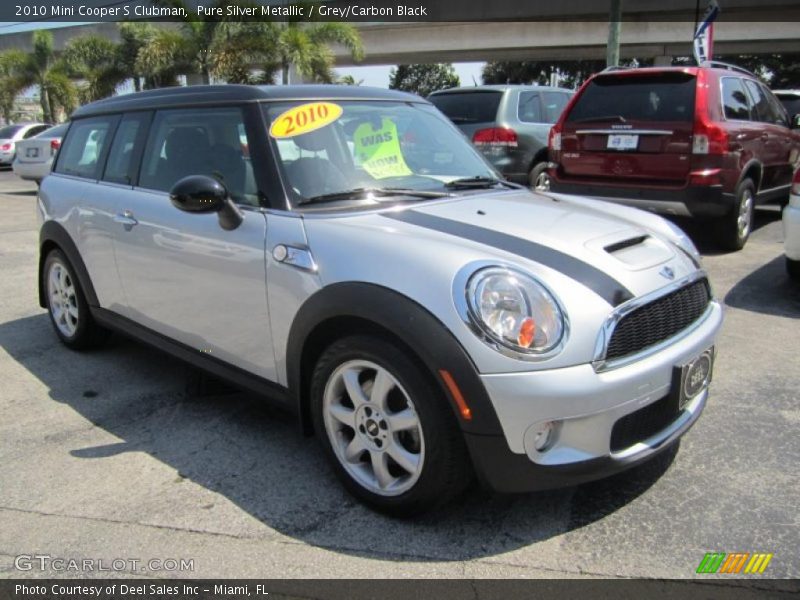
<point x="34" y="156"/>
<point x="11" y="134"/>
<point x="791" y="229"/>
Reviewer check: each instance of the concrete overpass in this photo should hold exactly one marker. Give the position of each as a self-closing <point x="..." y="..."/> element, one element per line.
<point x="578" y="31"/>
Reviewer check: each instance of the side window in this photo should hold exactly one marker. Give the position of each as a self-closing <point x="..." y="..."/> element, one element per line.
<point x="129" y="137"/>
<point x="83" y="148"/>
<point x="765" y="112"/>
<point x="203" y="141"/>
<point x="781" y="117"/>
<point x="530" y="108"/>
<point x="735" y="100"/>
<point x="554" y="103"/>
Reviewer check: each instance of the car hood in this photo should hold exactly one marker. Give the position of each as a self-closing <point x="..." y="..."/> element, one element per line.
<point x="615" y="257"/>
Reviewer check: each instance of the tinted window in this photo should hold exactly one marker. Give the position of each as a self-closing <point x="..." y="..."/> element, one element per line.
<point x="530" y="108"/>
<point x="777" y="109"/>
<point x="660" y="97"/>
<point x="764" y="110"/>
<point x="9" y="131"/>
<point x="199" y="142"/>
<point x="119" y="166"/>
<point x="553" y="104"/>
<point x="468" y="107"/>
<point x="54" y="132"/>
<point x="734" y="99"/>
<point x="83" y="147"/>
<point x="35" y="131"/>
<point x="790" y="103"/>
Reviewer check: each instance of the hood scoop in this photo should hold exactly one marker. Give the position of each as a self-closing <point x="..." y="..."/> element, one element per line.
<point x="635" y="249"/>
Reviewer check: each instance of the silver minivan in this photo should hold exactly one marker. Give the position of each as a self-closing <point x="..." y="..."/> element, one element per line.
<point x="346" y="252"/>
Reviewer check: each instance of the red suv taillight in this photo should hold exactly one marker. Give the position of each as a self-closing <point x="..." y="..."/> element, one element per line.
<point x="495" y="137"/>
<point x="5" y="147"/>
<point x="708" y="137"/>
<point x="796" y="183"/>
<point x="54" y="146"/>
<point x="554" y="138"/>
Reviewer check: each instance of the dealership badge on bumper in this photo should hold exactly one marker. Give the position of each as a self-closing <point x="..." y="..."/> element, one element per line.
<point x="695" y="377"/>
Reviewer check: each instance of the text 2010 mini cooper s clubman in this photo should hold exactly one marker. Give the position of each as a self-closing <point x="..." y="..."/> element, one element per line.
<point x="345" y="251"/>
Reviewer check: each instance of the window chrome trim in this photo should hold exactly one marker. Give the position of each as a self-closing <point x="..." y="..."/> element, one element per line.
<point x="624" y="131"/>
<point x="599" y="362"/>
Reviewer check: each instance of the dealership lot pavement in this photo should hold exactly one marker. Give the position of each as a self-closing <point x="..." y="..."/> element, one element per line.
<point x="124" y="453"/>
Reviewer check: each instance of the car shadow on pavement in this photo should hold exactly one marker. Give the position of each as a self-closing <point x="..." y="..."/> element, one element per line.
<point x="767" y="290"/>
<point x="253" y="455"/>
<point x="703" y="235"/>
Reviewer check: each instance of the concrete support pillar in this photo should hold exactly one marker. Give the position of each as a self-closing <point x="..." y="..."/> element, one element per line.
<point x="662" y="61"/>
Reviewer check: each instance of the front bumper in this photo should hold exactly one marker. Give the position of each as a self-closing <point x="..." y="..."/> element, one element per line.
<point x="587" y="404"/>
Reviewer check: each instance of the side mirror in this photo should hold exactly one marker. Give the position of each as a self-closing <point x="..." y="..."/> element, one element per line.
<point x="204" y="194"/>
<point x="794" y="123"/>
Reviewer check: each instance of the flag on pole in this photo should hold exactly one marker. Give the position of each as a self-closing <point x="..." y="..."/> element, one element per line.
<point x="704" y="36"/>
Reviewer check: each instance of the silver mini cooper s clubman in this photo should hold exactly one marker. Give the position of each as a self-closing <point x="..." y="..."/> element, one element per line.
<point x="345" y="251"/>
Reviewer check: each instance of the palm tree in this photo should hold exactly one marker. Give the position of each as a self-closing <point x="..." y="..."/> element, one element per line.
<point x="134" y="36"/>
<point x="349" y="80"/>
<point x="308" y="48"/>
<point x="11" y="84"/>
<point x="41" y="69"/>
<point x="95" y="61"/>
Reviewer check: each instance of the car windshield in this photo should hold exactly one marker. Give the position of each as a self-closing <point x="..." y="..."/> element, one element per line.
<point x="9" y="131"/>
<point x="336" y="151"/>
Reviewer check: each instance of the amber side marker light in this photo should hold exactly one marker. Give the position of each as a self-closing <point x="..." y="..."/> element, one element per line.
<point x="465" y="411"/>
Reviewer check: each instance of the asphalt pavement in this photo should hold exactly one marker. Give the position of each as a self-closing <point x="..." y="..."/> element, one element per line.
<point x="124" y="453"/>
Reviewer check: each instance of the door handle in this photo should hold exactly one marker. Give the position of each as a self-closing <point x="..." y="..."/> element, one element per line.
<point x="126" y="219"/>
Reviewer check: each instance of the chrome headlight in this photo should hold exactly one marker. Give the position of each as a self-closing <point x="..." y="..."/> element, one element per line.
<point x="514" y="310"/>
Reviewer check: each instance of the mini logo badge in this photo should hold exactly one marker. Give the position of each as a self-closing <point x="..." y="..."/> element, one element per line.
<point x="667" y="272"/>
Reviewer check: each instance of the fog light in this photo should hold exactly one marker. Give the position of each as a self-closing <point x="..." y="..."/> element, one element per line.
<point x="544" y="435"/>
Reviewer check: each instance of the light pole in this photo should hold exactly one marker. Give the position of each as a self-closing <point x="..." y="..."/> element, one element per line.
<point x="614" y="27"/>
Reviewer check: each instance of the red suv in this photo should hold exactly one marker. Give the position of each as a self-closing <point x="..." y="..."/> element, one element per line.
<point x="707" y="142"/>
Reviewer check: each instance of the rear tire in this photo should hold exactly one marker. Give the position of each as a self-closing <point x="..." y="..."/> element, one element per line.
<point x="538" y="178"/>
<point x="67" y="306"/>
<point x="390" y="434"/>
<point x="734" y="229"/>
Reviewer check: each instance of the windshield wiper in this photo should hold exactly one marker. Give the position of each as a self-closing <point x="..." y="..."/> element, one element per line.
<point x="619" y="118"/>
<point x="363" y="192"/>
<point x="473" y="182"/>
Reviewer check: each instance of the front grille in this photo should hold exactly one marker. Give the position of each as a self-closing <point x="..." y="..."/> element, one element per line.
<point x="643" y="423"/>
<point x="659" y="320"/>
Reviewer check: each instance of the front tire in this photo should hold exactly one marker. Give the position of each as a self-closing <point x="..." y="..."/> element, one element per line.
<point x="735" y="228"/>
<point x="67" y="306"/>
<point x="391" y="437"/>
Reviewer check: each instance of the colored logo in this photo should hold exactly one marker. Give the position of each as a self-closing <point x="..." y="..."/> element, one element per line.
<point x="734" y="563"/>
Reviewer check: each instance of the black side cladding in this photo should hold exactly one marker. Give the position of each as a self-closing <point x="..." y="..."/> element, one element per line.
<point x="605" y="286"/>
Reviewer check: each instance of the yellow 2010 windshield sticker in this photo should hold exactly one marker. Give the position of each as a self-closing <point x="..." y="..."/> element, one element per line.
<point x="378" y="150"/>
<point x="304" y="118"/>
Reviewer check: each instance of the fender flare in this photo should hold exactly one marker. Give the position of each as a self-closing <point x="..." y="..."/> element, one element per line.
<point x="379" y="309"/>
<point x="54" y="234"/>
<point x="743" y="174"/>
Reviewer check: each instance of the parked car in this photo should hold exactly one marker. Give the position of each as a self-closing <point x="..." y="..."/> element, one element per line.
<point x="425" y="318"/>
<point x="509" y="124"/>
<point x="11" y="134"/>
<point x="790" y="100"/>
<point x="791" y="229"/>
<point x="709" y="142"/>
<point x="34" y="156"/>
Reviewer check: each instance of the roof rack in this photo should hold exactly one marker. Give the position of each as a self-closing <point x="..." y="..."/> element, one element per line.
<point x="722" y="65"/>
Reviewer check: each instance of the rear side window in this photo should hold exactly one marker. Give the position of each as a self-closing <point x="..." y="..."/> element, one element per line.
<point x="765" y="110"/>
<point x="530" y="108"/>
<point x="735" y="100"/>
<point x="468" y="107"/>
<point x="54" y="132"/>
<point x="120" y="163"/>
<point x="199" y="142"/>
<point x="657" y="97"/>
<point x="82" y="151"/>
<point x="35" y="131"/>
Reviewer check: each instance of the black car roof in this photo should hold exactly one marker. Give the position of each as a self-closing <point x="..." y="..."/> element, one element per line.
<point x="198" y="95"/>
